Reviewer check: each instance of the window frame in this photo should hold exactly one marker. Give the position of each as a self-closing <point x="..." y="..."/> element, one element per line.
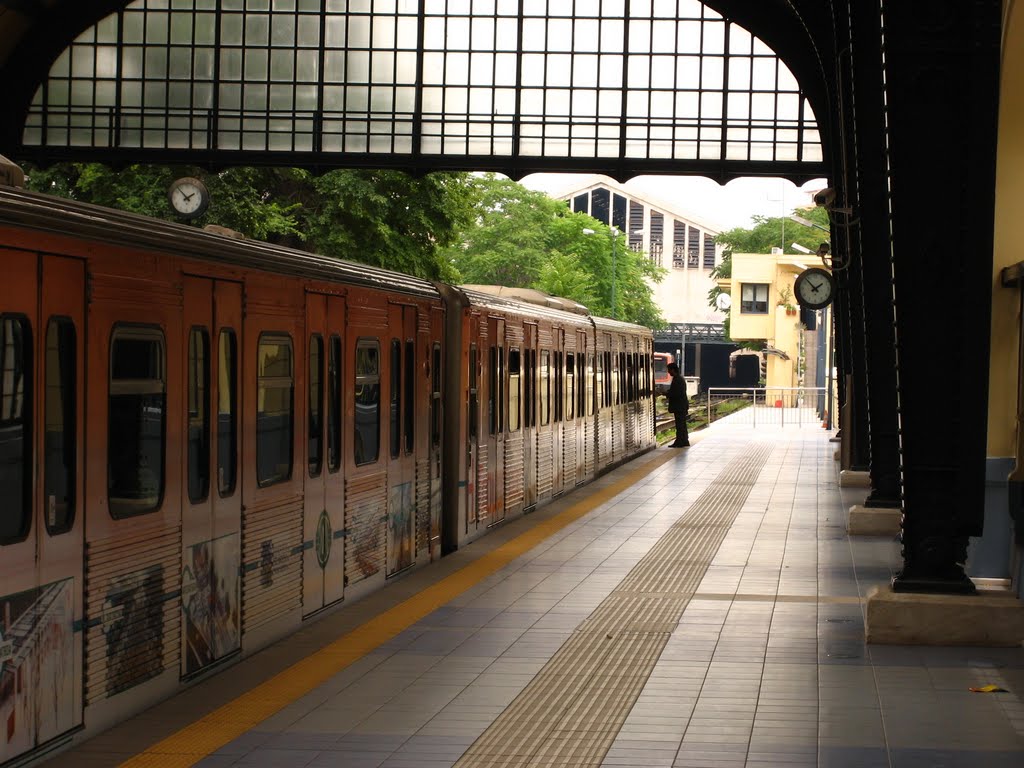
<point x="227" y="448"/>
<point x="359" y="457"/>
<point x="276" y="382"/>
<point x="139" y="332"/>
<point x="334" y="416"/>
<point x="515" y="391"/>
<point x="69" y="416"/>
<point x="315" y="471"/>
<point x="753" y="306"/>
<point x="25" y="418"/>
<point x="192" y="414"/>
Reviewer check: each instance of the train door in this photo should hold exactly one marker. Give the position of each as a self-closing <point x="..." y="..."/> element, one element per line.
<point x="474" y="492"/>
<point x="323" y="515"/>
<point x="41" y="344"/>
<point x="558" y="409"/>
<point x="582" y="390"/>
<point x="529" y="378"/>
<point x="403" y="500"/>
<point x="211" y="507"/>
<point x="437" y="419"/>
<point x="496" y="417"/>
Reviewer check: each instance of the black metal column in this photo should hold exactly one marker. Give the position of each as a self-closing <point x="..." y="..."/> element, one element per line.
<point x="849" y="311"/>
<point x="871" y="242"/>
<point x="942" y="88"/>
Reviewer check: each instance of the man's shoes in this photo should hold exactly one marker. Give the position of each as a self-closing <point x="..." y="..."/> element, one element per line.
<point x="678" y="445"/>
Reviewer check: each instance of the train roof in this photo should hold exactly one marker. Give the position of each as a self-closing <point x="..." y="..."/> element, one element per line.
<point x="619" y="326"/>
<point x="47" y="213"/>
<point x="486" y="299"/>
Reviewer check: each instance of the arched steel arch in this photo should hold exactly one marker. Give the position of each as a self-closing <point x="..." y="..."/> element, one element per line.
<point x="617" y="86"/>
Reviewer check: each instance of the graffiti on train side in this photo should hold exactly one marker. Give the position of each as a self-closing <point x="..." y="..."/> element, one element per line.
<point x="267" y="564"/>
<point x="133" y="614"/>
<point x="400" y="528"/>
<point x="210" y="601"/>
<point x="37" y="675"/>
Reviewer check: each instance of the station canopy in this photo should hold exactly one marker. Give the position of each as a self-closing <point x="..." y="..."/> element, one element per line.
<point x="510" y="85"/>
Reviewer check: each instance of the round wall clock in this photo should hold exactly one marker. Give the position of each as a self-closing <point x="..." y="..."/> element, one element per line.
<point x="815" y="288"/>
<point x="189" y="197"/>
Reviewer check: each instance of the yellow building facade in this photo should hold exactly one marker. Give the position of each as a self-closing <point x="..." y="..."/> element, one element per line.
<point x="763" y="307"/>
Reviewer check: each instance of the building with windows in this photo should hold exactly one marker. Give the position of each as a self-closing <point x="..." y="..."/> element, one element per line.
<point x="671" y="239"/>
<point x="763" y="307"/>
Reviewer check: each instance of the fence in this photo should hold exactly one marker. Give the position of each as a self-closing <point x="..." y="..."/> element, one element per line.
<point x="767" y="406"/>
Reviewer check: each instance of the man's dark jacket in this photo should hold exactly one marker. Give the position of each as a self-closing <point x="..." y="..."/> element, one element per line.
<point x="677" y="399"/>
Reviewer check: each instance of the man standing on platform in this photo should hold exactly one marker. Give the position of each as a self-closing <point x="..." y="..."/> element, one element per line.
<point x="678" y="405"/>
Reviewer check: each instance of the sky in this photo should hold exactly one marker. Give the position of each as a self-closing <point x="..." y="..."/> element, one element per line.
<point x="720" y="207"/>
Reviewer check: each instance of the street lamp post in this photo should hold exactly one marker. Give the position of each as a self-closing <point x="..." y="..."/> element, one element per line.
<point x="615" y="236"/>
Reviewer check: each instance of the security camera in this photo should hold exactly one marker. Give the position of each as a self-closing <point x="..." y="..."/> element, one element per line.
<point x="824" y="198"/>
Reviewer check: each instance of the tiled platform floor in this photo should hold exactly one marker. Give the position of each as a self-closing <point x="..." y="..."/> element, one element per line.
<point x="767" y="666"/>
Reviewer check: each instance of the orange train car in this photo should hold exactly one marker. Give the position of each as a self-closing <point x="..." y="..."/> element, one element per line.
<point x="206" y="442"/>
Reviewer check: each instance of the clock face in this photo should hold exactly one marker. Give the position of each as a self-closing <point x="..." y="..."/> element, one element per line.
<point x="189" y="197"/>
<point x="815" y="288"/>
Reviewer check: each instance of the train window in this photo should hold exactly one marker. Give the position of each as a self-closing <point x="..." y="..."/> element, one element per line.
<point x="410" y="395"/>
<point x="514" y="389"/>
<point x="396" y="398"/>
<point x="545" y="387"/>
<point x="136" y="420"/>
<point x="275" y="408"/>
<point x="530" y="388"/>
<point x="315" y="456"/>
<point x="631" y="377"/>
<point x="59" y="423"/>
<point x="198" y="426"/>
<point x="570" y="384"/>
<point x="15" y="427"/>
<point x="492" y="390"/>
<point x="558" y="386"/>
<point x="599" y="382"/>
<point x="586" y="384"/>
<point x="435" y="397"/>
<point x="501" y="390"/>
<point x="227" y="412"/>
<point x="367" y="401"/>
<point x="609" y="384"/>
<point x="621" y="379"/>
<point x="334" y="404"/>
<point x="581" y="385"/>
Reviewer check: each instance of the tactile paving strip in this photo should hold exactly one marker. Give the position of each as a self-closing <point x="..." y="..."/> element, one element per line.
<point x="571" y="712"/>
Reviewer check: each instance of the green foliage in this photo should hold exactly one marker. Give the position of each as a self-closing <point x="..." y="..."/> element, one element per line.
<point x="385" y="218"/>
<point x="776" y="232"/>
<point x="525" y="239"/>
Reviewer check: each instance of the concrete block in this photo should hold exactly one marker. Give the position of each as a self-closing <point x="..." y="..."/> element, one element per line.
<point x="851" y="478"/>
<point x="912" y="618"/>
<point x="873" y="521"/>
<point x="835" y="456"/>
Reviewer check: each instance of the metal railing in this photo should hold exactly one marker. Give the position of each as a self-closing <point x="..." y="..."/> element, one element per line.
<point x="767" y="406"/>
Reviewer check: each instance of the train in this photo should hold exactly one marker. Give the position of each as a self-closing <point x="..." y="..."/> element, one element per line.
<point x="208" y="441"/>
<point x="661" y="361"/>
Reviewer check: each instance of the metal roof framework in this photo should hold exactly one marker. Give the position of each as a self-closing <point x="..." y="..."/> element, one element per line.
<point x="621" y="87"/>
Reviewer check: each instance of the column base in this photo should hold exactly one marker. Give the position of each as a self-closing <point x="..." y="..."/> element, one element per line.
<point x="873" y="521"/>
<point x="913" y="618"/>
<point x="852" y="478"/>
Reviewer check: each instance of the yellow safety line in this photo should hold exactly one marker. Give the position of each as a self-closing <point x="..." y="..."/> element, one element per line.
<point x="208" y="734"/>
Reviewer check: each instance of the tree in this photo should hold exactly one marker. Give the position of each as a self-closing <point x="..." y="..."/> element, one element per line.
<point x="523" y="238"/>
<point x="385" y="218"/>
